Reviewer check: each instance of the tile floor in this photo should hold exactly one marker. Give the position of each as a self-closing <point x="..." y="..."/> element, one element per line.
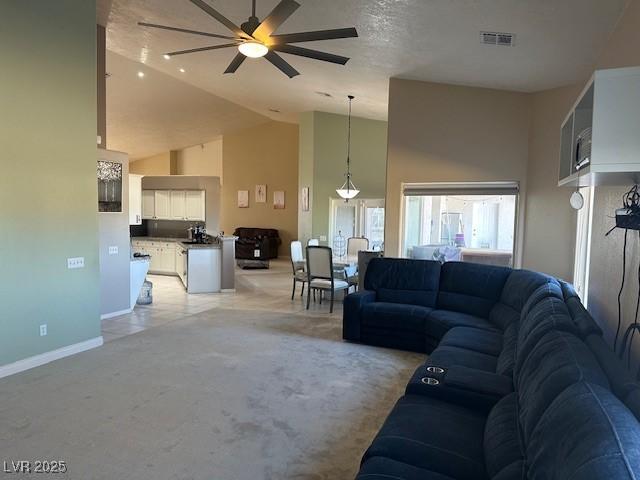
<point x="255" y="290"/>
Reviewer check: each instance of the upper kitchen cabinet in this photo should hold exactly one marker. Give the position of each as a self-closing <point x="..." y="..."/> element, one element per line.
<point x="600" y="137"/>
<point x="195" y="205"/>
<point x="174" y="205"/>
<point x="148" y="204"/>
<point x="135" y="199"/>
<point x="178" y="210"/>
<point x="163" y="204"/>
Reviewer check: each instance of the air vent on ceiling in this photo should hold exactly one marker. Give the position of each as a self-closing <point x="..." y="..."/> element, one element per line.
<point x="498" y="38"/>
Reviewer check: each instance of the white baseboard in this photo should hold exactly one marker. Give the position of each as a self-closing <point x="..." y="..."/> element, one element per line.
<point x="37" y="360"/>
<point x="115" y="314"/>
<point x="228" y="290"/>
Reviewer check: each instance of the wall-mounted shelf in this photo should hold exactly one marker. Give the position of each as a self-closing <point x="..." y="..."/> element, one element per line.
<point x="610" y="106"/>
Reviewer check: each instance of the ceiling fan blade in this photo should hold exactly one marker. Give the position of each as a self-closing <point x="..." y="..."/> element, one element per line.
<point x="277" y="17"/>
<point x="313" y="36"/>
<point x="202" y="49"/>
<point x="184" y="30"/>
<point x="219" y="17"/>
<point x="315" y="54"/>
<point x="281" y="64"/>
<point x="235" y="63"/>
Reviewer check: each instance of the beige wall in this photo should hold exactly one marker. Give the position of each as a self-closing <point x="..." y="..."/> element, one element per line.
<point x="446" y="133"/>
<point x="266" y="154"/>
<point x="161" y="164"/>
<point x="205" y="159"/>
<point x="550" y="222"/>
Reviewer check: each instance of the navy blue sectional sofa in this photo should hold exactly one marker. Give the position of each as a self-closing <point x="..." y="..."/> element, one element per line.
<point x="519" y="383"/>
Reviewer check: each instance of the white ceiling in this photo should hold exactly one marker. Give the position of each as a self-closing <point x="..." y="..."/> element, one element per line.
<point x="158" y="113"/>
<point x="433" y="40"/>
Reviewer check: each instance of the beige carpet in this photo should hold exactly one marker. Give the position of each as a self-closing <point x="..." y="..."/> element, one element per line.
<point x="221" y="395"/>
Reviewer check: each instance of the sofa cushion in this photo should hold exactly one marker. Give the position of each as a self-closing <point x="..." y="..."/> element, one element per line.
<point x="471" y="288"/>
<point x="397" y="280"/>
<point x="549" y="314"/>
<point x="382" y="468"/>
<point x="520" y="286"/>
<point x="483" y="341"/>
<point x="587" y="434"/>
<point x="582" y="318"/>
<point x="502" y="315"/>
<point x="543" y="292"/>
<point x="507" y="357"/>
<point x="441" y="321"/>
<point x="559" y="360"/>
<point x="433" y="435"/>
<point x="444" y="356"/>
<point x="501" y="437"/>
<point x="395" y="315"/>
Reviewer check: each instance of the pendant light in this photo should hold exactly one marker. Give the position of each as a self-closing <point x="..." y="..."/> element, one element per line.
<point x="348" y="189"/>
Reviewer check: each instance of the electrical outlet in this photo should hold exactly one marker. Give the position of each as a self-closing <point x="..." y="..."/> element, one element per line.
<point x="43" y="330"/>
<point x="323" y="238"/>
<point x="76" y="262"/>
<point x="113" y="250"/>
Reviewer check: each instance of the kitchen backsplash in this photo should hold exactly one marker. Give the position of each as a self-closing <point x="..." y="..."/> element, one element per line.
<point x="162" y="228"/>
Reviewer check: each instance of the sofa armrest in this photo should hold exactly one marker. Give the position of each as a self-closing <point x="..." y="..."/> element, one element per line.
<point x="475" y="389"/>
<point x="351" y="313"/>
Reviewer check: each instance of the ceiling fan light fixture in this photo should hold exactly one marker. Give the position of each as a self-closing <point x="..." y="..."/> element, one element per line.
<point x="253" y="49"/>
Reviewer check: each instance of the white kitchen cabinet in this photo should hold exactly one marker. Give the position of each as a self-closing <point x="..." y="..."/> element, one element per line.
<point x="148" y="204"/>
<point x="195" y="205"/>
<point x="178" y="207"/>
<point x="135" y="199"/>
<point x="163" y="204"/>
<point x="155" y="265"/>
<point x="168" y="258"/>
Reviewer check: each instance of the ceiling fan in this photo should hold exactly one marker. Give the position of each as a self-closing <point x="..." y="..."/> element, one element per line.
<point x="255" y="39"/>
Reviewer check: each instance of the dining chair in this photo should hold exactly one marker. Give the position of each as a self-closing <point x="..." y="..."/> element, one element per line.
<point x="320" y="274"/>
<point x="313" y="242"/>
<point x="355" y="245"/>
<point x="298" y="267"/>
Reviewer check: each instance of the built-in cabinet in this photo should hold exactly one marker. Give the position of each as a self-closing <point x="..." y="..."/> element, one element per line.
<point x="173" y="205"/>
<point x="600" y="137"/>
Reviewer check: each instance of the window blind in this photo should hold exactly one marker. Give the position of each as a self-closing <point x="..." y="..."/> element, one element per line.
<point x="466" y="188"/>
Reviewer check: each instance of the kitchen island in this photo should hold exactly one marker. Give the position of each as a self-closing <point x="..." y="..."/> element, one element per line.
<point x="199" y="265"/>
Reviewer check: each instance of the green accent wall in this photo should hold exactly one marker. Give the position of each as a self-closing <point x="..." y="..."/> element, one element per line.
<point x="323" y="154"/>
<point x="48" y="193"/>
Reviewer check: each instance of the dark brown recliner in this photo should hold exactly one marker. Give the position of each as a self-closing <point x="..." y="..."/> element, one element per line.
<point x="254" y="241"/>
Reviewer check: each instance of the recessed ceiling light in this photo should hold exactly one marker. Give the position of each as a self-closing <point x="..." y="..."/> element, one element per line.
<point x="140" y="74"/>
<point x="167" y="57"/>
<point x="182" y="70"/>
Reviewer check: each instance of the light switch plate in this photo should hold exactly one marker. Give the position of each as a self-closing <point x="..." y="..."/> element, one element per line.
<point x="113" y="250"/>
<point x="76" y="262"/>
<point x="43" y="330"/>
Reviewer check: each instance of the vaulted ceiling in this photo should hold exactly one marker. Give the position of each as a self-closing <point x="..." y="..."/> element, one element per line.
<point x="557" y="43"/>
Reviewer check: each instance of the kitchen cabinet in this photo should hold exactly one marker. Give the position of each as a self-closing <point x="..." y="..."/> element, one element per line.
<point x="173" y="205"/>
<point x="135" y="199"/>
<point x="163" y="204"/>
<point x="178" y="210"/>
<point x="195" y="205"/>
<point x="148" y="204"/>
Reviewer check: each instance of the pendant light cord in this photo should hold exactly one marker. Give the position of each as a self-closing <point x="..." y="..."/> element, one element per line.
<point x="351" y="97"/>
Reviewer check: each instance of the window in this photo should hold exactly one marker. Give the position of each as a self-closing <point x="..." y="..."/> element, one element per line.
<point x="468" y="222"/>
<point x="358" y="218"/>
<point x="583" y="245"/>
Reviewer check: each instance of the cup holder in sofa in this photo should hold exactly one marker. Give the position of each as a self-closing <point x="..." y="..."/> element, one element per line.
<point x="432" y="369"/>
<point x="430" y="381"/>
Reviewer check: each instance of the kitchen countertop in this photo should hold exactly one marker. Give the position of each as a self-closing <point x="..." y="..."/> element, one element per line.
<point x="181" y="241"/>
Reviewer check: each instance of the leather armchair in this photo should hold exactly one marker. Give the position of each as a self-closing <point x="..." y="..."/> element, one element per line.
<point x="257" y="243"/>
